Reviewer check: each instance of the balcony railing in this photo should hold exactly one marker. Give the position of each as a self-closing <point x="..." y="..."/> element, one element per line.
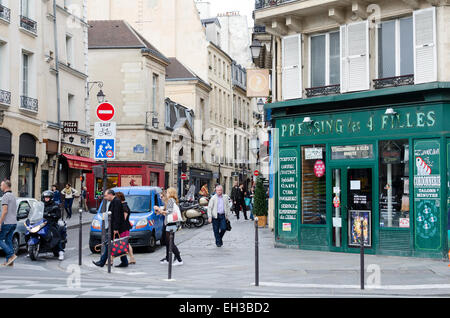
<point x="259" y="29"/>
<point x="394" y="81"/>
<point x="5" y="13"/>
<point x="29" y="103"/>
<point x="261" y="4"/>
<point x="28" y="24"/>
<point x="323" y="90"/>
<point x="5" y="97"/>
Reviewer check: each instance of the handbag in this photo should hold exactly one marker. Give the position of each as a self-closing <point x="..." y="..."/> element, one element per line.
<point x="173" y="216"/>
<point x="228" y="225"/>
<point x="119" y="246"/>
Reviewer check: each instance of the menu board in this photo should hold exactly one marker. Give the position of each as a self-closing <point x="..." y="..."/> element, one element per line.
<point x="288" y="192"/>
<point x="427" y="194"/>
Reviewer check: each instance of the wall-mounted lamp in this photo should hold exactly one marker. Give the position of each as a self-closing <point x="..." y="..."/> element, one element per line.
<point x="308" y="120"/>
<point x="390" y="111"/>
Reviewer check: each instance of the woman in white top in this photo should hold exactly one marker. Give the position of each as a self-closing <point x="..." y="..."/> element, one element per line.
<point x="171" y="211"/>
<point x="69" y="194"/>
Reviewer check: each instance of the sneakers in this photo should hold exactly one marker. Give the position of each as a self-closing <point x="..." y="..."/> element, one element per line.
<point x="61" y="255"/>
<point x="177" y="263"/>
<point x="164" y="261"/>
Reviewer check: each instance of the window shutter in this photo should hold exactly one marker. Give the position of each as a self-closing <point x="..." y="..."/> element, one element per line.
<point x="425" y="60"/>
<point x="344" y="59"/>
<point x="357" y="41"/>
<point x="292" y="67"/>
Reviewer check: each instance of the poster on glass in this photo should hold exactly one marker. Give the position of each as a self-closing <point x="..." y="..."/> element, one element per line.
<point x="354" y="231"/>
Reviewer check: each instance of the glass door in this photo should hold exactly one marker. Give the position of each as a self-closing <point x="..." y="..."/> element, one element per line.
<point x="338" y="212"/>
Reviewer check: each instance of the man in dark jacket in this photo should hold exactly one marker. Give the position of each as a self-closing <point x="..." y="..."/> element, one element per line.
<point x="118" y="225"/>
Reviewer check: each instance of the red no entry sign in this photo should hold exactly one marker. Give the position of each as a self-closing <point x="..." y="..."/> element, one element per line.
<point x="256" y="173"/>
<point x="183" y="176"/>
<point x="105" y="111"/>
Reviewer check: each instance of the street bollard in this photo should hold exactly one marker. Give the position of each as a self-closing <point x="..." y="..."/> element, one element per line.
<point x="256" y="253"/>
<point x="361" y="239"/>
<point x="80" y="236"/>
<point x="110" y="242"/>
<point x="170" y="254"/>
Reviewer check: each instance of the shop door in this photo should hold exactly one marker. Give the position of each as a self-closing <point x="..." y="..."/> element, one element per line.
<point x="351" y="205"/>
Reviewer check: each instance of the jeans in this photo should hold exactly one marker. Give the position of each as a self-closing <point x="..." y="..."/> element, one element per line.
<point x="6" y="235"/>
<point x="219" y="228"/>
<point x="68" y="207"/>
<point x="175" y="250"/>
<point x="104" y="257"/>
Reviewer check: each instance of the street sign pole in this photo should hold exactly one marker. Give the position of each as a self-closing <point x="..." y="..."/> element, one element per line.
<point x="105" y="179"/>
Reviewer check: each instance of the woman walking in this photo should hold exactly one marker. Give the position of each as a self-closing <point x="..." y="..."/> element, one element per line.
<point x="126" y="212"/>
<point x="69" y="194"/>
<point x="171" y="211"/>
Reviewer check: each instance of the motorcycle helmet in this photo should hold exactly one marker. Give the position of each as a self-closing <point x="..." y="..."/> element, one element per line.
<point x="47" y="194"/>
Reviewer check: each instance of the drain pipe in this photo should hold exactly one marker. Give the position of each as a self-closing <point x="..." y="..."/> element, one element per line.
<point x="58" y="94"/>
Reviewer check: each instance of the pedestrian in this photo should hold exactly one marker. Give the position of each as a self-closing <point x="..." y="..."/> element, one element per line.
<point x="56" y="194"/>
<point x="249" y="201"/>
<point x="8" y="222"/>
<point x="83" y="198"/>
<point x="239" y="200"/>
<point x="118" y="226"/>
<point x="69" y="194"/>
<point x="172" y="211"/>
<point x="219" y="210"/>
<point x="127" y="212"/>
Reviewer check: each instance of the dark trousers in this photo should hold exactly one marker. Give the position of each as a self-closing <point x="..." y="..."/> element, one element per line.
<point x="237" y="208"/>
<point x="175" y="250"/>
<point x="104" y="257"/>
<point x="68" y="207"/>
<point x="219" y="228"/>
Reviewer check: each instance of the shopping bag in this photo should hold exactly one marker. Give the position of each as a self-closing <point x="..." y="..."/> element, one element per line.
<point x="119" y="246"/>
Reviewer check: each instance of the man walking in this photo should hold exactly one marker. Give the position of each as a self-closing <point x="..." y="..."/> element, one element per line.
<point x="238" y="197"/>
<point x="118" y="226"/>
<point x="219" y="209"/>
<point x="8" y="222"/>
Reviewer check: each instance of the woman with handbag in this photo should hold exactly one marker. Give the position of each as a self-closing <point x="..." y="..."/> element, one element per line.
<point x="172" y="214"/>
<point x="127" y="212"/>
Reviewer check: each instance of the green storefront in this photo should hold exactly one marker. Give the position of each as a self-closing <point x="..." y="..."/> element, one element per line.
<point x="379" y="158"/>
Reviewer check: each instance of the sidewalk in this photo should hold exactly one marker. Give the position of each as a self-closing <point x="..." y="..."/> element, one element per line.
<point x="232" y="266"/>
<point x="74" y="221"/>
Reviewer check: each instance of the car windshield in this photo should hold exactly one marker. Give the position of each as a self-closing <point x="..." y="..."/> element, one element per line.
<point x="138" y="203"/>
<point x="37" y="211"/>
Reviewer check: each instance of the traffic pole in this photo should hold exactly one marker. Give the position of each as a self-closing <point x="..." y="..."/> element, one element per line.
<point x="361" y="239"/>
<point x="109" y="242"/>
<point x="105" y="179"/>
<point x="256" y="253"/>
<point x="170" y="255"/>
<point x="80" y="238"/>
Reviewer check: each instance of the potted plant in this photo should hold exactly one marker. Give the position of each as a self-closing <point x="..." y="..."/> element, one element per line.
<point x="260" y="203"/>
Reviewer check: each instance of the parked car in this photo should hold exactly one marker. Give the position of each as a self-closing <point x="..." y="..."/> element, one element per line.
<point x="147" y="225"/>
<point x="24" y="207"/>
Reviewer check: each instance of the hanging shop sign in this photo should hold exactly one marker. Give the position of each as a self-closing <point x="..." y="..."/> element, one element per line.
<point x="319" y="168"/>
<point x="70" y="127"/>
<point x="362" y="123"/>
<point x="427" y="194"/>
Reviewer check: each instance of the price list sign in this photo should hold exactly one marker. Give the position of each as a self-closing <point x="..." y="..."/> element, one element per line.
<point x="288" y="193"/>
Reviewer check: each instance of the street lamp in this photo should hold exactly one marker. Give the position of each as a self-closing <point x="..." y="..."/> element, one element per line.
<point x="101" y="97"/>
<point x="256" y="49"/>
<point x="260" y="105"/>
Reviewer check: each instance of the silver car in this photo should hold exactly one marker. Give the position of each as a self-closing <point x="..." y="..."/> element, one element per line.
<point x="24" y="208"/>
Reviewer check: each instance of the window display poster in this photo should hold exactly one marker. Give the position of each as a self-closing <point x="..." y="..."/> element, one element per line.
<point x="427" y="196"/>
<point x="288" y="193"/>
<point x="131" y="180"/>
<point x="356" y="217"/>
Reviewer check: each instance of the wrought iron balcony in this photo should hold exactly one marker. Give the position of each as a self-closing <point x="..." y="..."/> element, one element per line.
<point x="323" y="90"/>
<point x="28" y="103"/>
<point x="259" y="29"/>
<point x="394" y="81"/>
<point x="5" y="97"/>
<point x="5" y="13"/>
<point x="261" y="4"/>
<point x="28" y="24"/>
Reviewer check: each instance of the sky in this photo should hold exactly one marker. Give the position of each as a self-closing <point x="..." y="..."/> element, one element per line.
<point x="245" y="7"/>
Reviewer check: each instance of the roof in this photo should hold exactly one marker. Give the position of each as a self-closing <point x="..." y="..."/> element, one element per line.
<point x="177" y="71"/>
<point x="118" y="34"/>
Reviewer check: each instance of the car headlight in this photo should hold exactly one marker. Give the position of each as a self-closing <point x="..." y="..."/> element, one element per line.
<point x="96" y="224"/>
<point x="141" y="223"/>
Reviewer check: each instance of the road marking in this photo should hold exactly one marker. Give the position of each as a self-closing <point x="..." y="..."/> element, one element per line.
<point x="53" y="296"/>
<point x="104" y="294"/>
<point x="22" y="291"/>
<point x="188" y="296"/>
<point x="335" y="286"/>
<point x="156" y="292"/>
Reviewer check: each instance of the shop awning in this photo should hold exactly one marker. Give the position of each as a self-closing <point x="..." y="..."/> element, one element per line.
<point x="80" y="163"/>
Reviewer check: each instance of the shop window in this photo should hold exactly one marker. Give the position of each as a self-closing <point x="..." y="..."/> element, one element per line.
<point x="394" y="183"/>
<point x="154" y="177"/>
<point x="111" y="182"/>
<point x="313" y="185"/>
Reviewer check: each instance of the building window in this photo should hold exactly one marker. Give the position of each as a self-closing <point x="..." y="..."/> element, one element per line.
<point x="25" y="74"/>
<point x="154" y="149"/>
<point x="71" y="107"/>
<point x="313" y="185"/>
<point x="325" y="59"/>
<point x="395" y="48"/>
<point x="69" y="50"/>
<point x="25" y="8"/>
<point x="394" y="183"/>
<point x="155" y="91"/>
<point x="167" y="151"/>
<point x="154" y="177"/>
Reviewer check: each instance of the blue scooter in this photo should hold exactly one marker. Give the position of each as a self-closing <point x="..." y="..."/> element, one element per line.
<point x="41" y="237"/>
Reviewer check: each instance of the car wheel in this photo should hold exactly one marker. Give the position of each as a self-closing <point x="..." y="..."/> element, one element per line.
<point x="151" y="244"/>
<point x="16" y="244"/>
